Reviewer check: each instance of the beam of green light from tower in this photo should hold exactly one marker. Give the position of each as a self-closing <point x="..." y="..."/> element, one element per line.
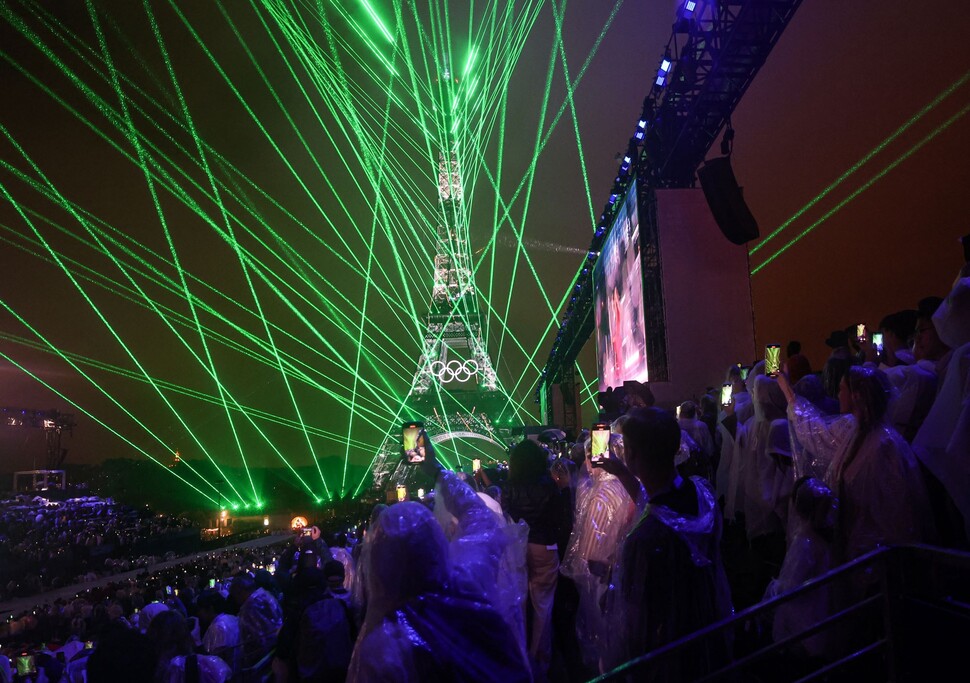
<point x="377" y="20"/>
<point x="181" y="390"/>
<point x="215" y="191"/>
<point x="868" y="157"/>
<point x="363" y="314"/>
<point x="558" y="16"/>
<point x="138" y="297"/>
<point x="133" y="139"/>
<point x="530" y="173"/>
<point x="111" y="429"/>
<point x="23" y="321"/>
<point x="82" y="291"/>
<point x="869" y="183"/>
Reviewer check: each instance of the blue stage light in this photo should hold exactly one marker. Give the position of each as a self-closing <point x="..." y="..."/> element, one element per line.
<point x="663" y="71"/>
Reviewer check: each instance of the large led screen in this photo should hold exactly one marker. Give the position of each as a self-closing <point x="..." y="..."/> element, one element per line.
<point x="618" y="288"/>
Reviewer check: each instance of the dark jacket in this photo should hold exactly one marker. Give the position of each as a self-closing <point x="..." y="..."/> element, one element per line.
<point x="540" y="505"/>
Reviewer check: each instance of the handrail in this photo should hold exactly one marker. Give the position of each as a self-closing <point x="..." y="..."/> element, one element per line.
<point x="881" y="556"/>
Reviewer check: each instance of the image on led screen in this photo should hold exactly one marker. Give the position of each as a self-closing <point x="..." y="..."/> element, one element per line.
<point x="618" y="282"/>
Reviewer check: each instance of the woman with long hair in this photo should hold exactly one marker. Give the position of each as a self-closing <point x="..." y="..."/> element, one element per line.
<point x="871" y="468"/>
<point x="530" y="494"/>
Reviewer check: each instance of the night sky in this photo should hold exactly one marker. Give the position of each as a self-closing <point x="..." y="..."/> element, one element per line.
<point x="842" y="79"/>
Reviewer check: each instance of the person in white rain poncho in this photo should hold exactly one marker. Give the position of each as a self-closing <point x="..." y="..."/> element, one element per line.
<point x="669" y="579"/>
<point x="603" y="516"/>
<point x="943" y="441"/>
<point x="432" y="606"/>
<point x="766" y="470"/>
<point x="871" y="469"/>
<point x="732" y="419"/>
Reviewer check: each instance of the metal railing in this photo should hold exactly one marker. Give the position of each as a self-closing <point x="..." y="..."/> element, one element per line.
<point x="895" y="614"/>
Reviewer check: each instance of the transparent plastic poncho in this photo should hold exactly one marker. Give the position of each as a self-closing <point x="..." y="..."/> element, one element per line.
<point x="699" y="433"/>
<point x="943" y="442"/>
<point x="817" y="438"/>
<point x="809" y="555"/>
<point x="765" y="470"/>
<point x="434" y="606"/>
<point x="952" y="318"/>
<point x="669" y="581"/>
<point x="603" y="516"/>
<point x="882" y="496"/>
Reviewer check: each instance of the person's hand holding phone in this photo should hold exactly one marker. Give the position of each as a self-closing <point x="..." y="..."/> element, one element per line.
<point x="786" y="387"/>
<point x="430" y="465"/>
<point x="611" y="464"/>
<point x="869" y="350"/>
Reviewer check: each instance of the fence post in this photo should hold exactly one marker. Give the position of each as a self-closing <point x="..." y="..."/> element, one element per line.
<point x="892" y="584"/>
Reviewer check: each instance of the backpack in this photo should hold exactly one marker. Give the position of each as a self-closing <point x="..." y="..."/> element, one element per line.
<point x="326" y="641"/>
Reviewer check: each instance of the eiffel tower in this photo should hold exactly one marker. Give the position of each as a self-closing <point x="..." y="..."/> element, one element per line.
<point x="455" y="388"/>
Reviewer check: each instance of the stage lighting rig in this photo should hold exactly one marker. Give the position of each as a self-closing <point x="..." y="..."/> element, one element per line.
<point x="726" y="45"/>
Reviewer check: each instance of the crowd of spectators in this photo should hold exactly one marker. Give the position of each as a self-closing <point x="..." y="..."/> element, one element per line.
<point x="47" y="543"/>
<point x="569" y="563"/>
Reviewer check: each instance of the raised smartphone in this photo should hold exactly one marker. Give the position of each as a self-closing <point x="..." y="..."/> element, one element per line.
<point x="600" y="437"/>
<point x="413" y="442"/>
<point x="772" y="360"/>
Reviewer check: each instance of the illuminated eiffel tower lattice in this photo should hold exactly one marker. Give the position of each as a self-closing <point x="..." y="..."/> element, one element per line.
<point x="454" y="357"/>
<point x="455" y="388"/>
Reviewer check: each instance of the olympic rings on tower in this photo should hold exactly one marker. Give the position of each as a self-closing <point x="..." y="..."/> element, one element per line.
<point x="454" y="370"/>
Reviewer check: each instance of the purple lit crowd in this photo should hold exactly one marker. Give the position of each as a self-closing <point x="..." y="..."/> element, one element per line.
<point x="569" y="563"/>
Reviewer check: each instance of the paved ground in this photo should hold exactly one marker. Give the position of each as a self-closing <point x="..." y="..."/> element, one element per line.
<point x="20" y="605"/>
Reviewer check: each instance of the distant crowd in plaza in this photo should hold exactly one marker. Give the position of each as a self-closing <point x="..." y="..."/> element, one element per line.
<point x="47" y="543"/>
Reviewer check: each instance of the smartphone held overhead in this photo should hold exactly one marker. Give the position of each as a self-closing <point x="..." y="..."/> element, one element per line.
<point x="727" y="390"/>
<point x="413" y="441"/>
<point x="600" y="443"/>
<point x="877" y="343"/>
<point x="773" y="360"/>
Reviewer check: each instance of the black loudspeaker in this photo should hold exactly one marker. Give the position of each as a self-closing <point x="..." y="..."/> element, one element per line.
<point x="726" y="201"/>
